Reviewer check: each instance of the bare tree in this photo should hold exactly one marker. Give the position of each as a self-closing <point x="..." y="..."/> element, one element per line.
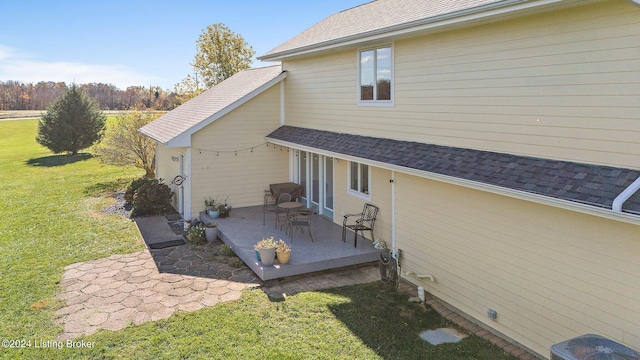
<point x="122" y="144"/>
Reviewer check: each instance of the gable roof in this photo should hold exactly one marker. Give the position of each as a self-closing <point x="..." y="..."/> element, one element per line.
<point x="586" y="184"/>
<point x="176" y="127"/>
<point x="388" y="17"/>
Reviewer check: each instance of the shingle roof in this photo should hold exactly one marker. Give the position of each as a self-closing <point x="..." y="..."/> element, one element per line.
<point x="375" y="17"/>
<point x="582" y="183"/>
<point x="209" y="103"/>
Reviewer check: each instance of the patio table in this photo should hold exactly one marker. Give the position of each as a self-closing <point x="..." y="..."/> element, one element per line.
<point x="290" y="207"/>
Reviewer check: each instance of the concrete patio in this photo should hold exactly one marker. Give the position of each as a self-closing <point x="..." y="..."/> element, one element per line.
<point x="244" y="228"/>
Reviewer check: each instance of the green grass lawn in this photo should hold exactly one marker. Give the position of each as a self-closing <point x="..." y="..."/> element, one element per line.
<point x="50" y="218"/>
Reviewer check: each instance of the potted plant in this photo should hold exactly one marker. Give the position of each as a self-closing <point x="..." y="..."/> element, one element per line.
<point x="196" y="235"/>
<point x="211" y="231"/>
<point x="225" y="208"/>
<point x="267" y="249"/>
<point x="283" y="252"/>
<point x="210" y="203"/>
<point x="212" y="207"/>
<point x="256" y="247"/>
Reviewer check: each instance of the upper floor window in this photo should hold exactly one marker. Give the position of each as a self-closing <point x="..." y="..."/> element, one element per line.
<point x="376" y="75"/>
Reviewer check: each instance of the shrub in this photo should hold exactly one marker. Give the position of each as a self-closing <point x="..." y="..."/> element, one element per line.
<point x="226" y="250"/>
<point x="196" y="235"/>
<point x="134" y="186"/>
<point x="152" y="198"/>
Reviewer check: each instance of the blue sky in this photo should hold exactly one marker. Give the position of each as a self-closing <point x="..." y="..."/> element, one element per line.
<point x="137" y="42"/>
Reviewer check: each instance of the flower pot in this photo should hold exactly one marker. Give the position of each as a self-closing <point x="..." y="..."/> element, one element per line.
<point x="283" y="257"/>
<point x="213" y="213"/>
<point x="267" y="256"/>
<point x="258" y="255"/>
<point x="211" y="233"/>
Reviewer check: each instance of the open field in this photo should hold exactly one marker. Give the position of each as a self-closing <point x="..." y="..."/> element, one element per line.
<point x="51" y="218"/>
<point x="31" y="114"/>
<point x="19" y="114"/>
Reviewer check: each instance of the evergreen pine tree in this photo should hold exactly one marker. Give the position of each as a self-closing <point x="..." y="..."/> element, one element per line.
<point x="72" y="123"/>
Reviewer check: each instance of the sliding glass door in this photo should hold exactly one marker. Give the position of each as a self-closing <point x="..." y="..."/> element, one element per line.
<point x="328" y="187"/>
<point x="315" y="174"/>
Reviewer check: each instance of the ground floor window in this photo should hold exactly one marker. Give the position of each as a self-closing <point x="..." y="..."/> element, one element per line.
<point x="359" y="175"/>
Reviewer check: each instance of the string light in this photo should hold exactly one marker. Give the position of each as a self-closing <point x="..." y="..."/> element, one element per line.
<point x="232" y="151"/>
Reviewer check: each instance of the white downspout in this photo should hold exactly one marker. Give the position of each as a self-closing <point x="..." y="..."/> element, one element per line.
<point x="282" y="118"/>
<point x="393" y="211"/>
<point x="625" y="195"/>
<point x="187" y="189"/>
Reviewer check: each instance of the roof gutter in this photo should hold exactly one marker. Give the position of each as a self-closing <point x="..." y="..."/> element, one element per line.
<point x="457" y="17"/>
<point x="518" y="194"/>
<point x="625" y="195"/>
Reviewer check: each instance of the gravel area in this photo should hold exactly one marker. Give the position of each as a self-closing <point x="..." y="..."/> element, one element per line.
<point x="123" y="209"/>
<point x="120" y="207"/>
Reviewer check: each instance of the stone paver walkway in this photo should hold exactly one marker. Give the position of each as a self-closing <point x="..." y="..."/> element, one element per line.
<point x="149" y="285"/>
<point x="113" y="292"/>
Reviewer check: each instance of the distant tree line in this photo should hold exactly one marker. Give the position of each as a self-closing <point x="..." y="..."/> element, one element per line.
<point x="16" y="95"/>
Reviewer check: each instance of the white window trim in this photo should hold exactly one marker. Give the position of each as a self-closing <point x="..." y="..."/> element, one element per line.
<point x="383" y="103"/>
<point x="354" y="192"/>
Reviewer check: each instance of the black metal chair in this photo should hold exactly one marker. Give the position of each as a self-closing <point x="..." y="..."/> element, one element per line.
<point x="364" y="221"/>
<point x="301" y="219"/>
<point x="269" y="203"/>
<point x="273" y="207"/>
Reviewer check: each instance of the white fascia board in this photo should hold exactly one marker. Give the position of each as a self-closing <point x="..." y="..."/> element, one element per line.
<point x="456" y="18"/>
<point x="499" y="190"/>
<point x="184" y="139"/>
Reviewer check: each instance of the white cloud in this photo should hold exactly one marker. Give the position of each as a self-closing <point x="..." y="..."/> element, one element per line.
<point x="15" y="65"/>
<point x="7" y="52"/>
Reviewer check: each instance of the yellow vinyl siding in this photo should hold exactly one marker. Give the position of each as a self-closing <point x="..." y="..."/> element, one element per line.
<point x="347" y="203"/>
<point x="551" y="274"/>
<point x="244" y="176"/>
<point x="167" y="169"/>
<point x="561" y="85"/>
<point x="321" y="93"/>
